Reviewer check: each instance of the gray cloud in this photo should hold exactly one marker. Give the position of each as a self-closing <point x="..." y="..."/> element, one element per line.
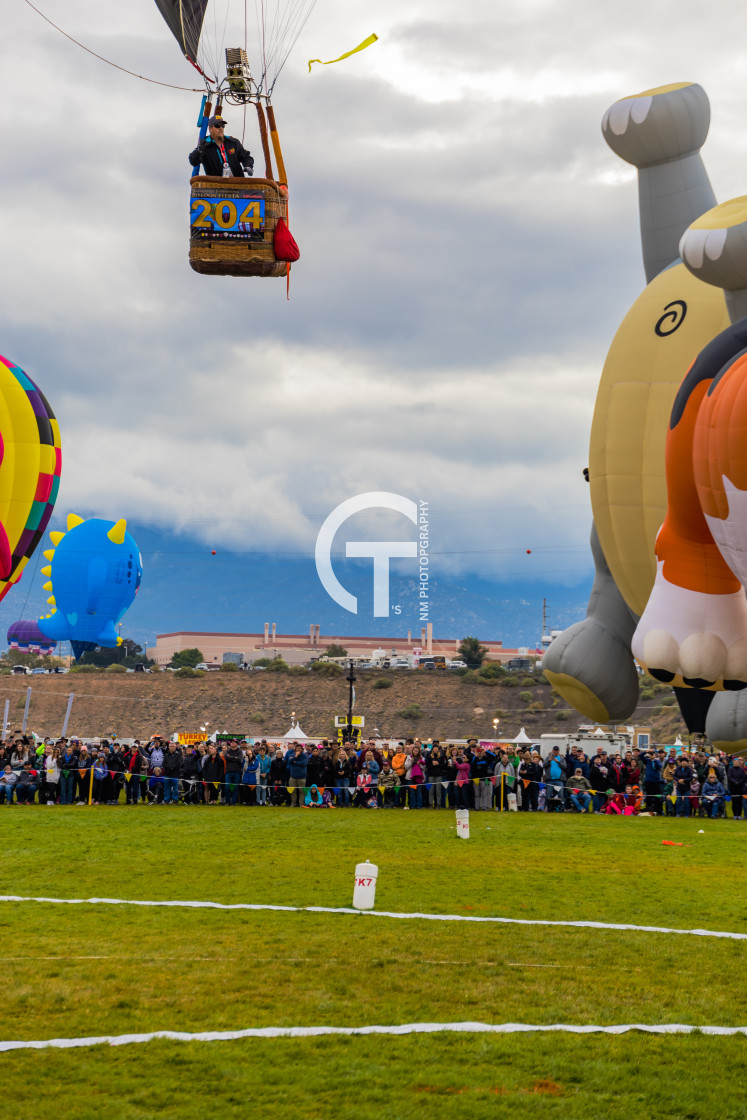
<point x="469" y="246"/>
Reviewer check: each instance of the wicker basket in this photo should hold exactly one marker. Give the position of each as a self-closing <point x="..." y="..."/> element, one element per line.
<point x="219" y="249"/>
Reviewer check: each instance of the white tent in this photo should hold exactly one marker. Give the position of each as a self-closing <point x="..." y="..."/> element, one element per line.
<point x="295" y="734"/>
<point x="521" y="738"/>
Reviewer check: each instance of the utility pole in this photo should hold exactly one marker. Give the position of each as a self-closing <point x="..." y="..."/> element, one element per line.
<point x="351" y="696"/>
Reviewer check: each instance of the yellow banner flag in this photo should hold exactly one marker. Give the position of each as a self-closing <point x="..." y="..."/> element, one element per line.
<point x="361" y="47"/>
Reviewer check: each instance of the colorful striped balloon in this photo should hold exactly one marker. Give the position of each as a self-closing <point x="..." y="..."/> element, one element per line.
<point x="30" y="465"/>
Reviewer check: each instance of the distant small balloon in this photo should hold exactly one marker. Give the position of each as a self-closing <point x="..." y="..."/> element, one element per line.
<point x="213" y="553"/>
<point x="529" y="552"/>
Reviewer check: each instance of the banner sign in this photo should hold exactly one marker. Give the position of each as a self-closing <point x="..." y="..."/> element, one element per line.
<point x="225" y="738"/>
<point x="189" y="738"/>
<point x="240" y="217"/>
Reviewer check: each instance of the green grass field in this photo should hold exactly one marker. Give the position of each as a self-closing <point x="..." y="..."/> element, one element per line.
<point x="73" y="971"/>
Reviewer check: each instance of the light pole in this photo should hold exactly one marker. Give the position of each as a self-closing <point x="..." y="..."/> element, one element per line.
<point x="351" y="696"/>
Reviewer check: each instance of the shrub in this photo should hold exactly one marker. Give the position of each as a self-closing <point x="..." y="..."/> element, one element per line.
<point x="412" y="711"/>
<point x="382" y="682"/>
<point x="668" y="701"/>
<point x="472" y="652"/>
<point x="229" y="667"/>
<point x="257" y="717"/>
<point x="561" y="715"/>
<point x="186" y="671"/>
<point x="530" y="681"/>
<point x="536" y="706"/>
<point x="509" y="681"/>
<point x="278" y="666"/>
<point x="526" y="697"/>
<point x="492" y="670"/>
<point x="298" y="671"/>
<point x="187" y="658"/>
<point x="327" y="669"/>
<point x="491" y="682"/>
<point x="647" y="694"/>
<point x="115" y="669"/>
<point x="468" y="675"/>
<point x="84" y="669"/>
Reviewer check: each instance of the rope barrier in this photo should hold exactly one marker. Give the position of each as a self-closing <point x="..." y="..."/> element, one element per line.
<point x="395" y="914"/>
<point x="404" y="1028"/>
<point x="373" y="789"/>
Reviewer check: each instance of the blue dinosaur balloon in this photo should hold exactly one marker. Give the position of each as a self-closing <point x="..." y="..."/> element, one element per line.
<point x="93" y="577"/>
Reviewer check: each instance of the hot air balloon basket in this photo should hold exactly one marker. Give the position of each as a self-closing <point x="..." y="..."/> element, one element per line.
<point x="232" y="225"/>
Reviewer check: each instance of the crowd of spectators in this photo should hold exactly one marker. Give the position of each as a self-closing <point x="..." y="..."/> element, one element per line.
<point x="406" y="775"/>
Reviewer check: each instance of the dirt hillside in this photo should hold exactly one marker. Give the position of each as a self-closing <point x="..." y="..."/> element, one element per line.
<point x="441" y="705"/>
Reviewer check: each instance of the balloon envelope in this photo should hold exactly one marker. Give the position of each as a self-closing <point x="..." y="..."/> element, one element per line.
<point x="25" y="635"/>
<point x="95" y="574"/>
<point x="30" y="465"/>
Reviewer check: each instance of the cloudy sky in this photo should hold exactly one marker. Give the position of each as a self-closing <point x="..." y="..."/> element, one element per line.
<point x="469" y="246"/>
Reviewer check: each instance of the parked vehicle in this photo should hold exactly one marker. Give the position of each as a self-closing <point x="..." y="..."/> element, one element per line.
<point x="458" y="665"/>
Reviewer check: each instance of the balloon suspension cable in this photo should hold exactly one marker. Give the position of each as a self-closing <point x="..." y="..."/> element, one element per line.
<point x="265" y="142"/>
<point x="108" y="61"/>
<point x="282" y="177"/>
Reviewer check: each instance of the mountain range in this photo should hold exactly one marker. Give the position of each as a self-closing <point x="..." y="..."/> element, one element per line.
<point x="188" y="585"/>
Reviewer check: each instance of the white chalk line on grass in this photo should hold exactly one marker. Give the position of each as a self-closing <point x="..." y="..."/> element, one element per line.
<point x="376" y="914"/>
<point x="404" y="1028"/>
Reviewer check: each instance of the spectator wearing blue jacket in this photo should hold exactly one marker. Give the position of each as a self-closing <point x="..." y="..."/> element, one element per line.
<point x="574" y="758"/>
<point x="297" y="762"/>
<point x="555" y="777"/>
<point x="265" y="762"/>
<point x="652" y="783"/>
<point x="712" y="796"/>
<point x="249" y="778"/>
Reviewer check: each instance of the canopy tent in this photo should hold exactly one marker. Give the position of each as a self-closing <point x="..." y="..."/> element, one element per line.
<point x="521" y="739"/>
<point x="295" y="734"/>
